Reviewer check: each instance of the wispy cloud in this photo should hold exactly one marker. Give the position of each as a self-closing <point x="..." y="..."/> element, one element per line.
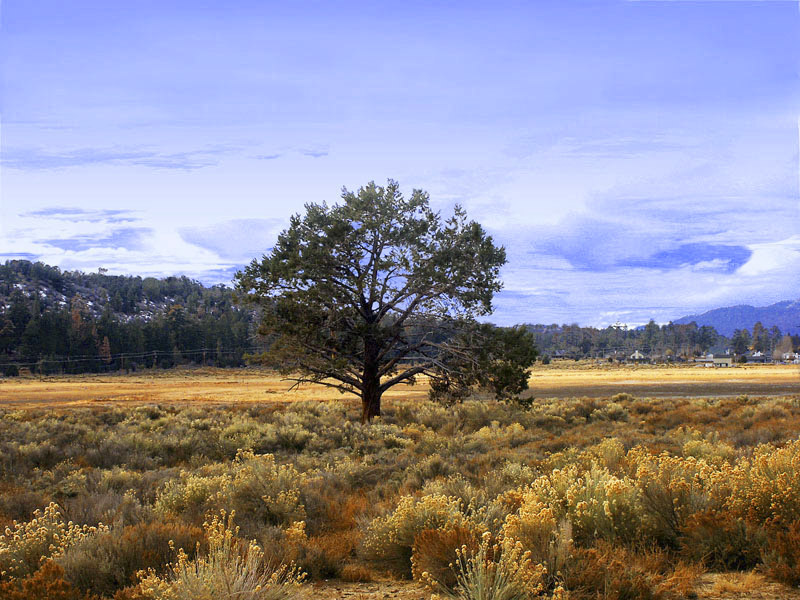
<point x="68" y="213"/>
<point x="315" y="152"/>
<point x="40" y="159"/>
<point x="131" y="238"/>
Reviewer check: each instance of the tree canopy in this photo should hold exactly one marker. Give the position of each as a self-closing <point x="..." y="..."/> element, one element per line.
<point x="374" y="291"/>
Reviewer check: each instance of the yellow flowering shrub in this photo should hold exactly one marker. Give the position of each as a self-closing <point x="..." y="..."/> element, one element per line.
<point x="767" y="487"/>
<point x="496" y="571"/>
<point x="25" y="546"/>
<point x="535" y="527"/>
<point x="190" y="496"/>
<point x="674" y="488"/>
<point x="263" y="491"/>
<point x="389" y="540"/>
<point x="597" y="503"/>
<point x="231" y="569"/>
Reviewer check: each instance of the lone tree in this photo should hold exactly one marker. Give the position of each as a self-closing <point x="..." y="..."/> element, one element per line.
<point x="378" y="290"/>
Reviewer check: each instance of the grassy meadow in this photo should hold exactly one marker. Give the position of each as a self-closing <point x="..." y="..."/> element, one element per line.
<point x="614" y="482"/>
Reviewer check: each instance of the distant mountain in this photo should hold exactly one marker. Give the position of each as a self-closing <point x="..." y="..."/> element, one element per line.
<point x="785" y="315"/>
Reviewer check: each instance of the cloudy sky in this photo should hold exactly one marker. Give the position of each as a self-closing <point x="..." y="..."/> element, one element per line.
<point x="638" y="159"/>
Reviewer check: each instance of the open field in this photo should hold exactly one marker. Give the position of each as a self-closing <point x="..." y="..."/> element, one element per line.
<point x="624" y="482"/>
<point x="221" y="386"/>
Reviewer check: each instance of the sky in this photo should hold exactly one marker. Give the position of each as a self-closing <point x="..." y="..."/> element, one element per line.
<point x="637" y="159"/>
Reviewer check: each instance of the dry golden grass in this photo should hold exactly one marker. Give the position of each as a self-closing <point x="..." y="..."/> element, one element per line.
<point x="179" y="387"/>
<point x="563" y="379"/>
<point x="738" y="583"/>
<point x="740" y="586"/>
<point x="235" y="386"/>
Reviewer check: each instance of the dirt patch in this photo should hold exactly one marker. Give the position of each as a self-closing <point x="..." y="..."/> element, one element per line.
<point x="394" y="590"/>
<point x="742" y="586"/>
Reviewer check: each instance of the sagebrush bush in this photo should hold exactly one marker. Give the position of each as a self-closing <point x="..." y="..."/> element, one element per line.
<point x="108" y="561"/>
<point x="767" y="486"/>
<point x="721" y="540"/>
<point x="674" y="488"/>
<point x="263" y="492"/>
<point x="230" y="569"/>
<point x="25" y="546"/>
<point x="495" y="571"/>
<point x="191" y="496"/>
<point x="318" y="557"/>
<point x="615" y="573"/>
<point x="536" y="528"/>
<point x="47" y="583"/>
<point x="389" y="540"/>
<point x="782" y="555"/>
<point x="435" y="552"/>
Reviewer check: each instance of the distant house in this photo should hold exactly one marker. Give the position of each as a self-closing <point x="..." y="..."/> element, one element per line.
<point x="790" y="357"/>
<point x="707" y="360"/>
<point x="757" y="357"/>
<point x="637" y="357"/>
<point x="723" y="360"/>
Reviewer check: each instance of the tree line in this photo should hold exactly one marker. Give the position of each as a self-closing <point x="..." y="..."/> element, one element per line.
<point x="667" y="342"/>
<point x="71" y="322"/>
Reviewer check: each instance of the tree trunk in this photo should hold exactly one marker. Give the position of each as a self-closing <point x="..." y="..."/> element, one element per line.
<point x="370" y="403"/>
<point x="371" y="390"/>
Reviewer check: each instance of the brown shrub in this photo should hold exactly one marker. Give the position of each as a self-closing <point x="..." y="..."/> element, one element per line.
<point x="324" y="556"/>
<point x="320" y="557"/>
<point x="616" y="573"/>
<point x="45" y="584"/>
<point x="107" y="562"/>
<point x="720" y="540"/>
<point x="434" y="553"/>
<point x="782" y="555"/>
<point x="356" y="573"/>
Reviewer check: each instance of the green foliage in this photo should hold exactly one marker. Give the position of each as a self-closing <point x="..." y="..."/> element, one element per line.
<point x="72" y="322"/>
<point x="365" y="294"/>
<point x="499" y="362"/>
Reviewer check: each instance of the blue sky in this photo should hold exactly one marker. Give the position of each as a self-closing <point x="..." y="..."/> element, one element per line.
<point x="637" y="159"/>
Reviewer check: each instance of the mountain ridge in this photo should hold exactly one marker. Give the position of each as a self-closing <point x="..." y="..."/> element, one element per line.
<point x="784" y="314"/>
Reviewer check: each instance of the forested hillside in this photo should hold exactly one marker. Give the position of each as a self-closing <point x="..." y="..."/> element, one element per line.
<point x="54" y="321"/>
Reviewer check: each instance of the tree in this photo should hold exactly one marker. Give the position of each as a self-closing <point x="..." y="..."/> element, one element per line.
<point x="741" y="341"/>
<point x="373" y="292"/>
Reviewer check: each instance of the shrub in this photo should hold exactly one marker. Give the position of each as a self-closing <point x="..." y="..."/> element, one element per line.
<point x="263" y="492"/>
<point x="501" y="571"/>
<point x="672" y="489"/>
<point x="191" y="496"/>
<point x="228" y="570"/>
<point x="615" y="573"/>
<point x="318" y="557"/>
<point x="25" y="546"/>
<point x="597" y="503"/>
<point x="436" y="550"/>
<point x="389" y="540"/>
<point x="108" y="561"/>
<point x="767" y="487"/>
<point x="45" y="584"/>
<point x="721" y="540"/>
<point x="782" y="555"/>
<point x="536" y="528"/>
<point x="610" y="412"/>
